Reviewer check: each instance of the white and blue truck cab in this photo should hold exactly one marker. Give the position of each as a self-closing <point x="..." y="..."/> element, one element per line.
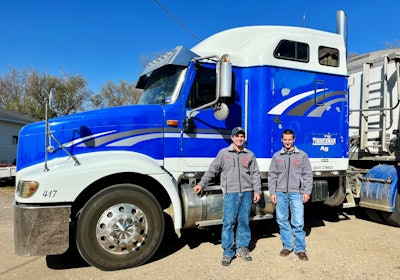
<point x="107" y="178"/>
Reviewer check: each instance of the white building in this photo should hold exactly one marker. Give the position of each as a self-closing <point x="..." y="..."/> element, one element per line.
<point x="10" y="124"/>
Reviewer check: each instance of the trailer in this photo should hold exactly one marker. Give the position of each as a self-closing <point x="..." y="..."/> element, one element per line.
<point x="374" y="97"/>
<point x="109" y="179"/>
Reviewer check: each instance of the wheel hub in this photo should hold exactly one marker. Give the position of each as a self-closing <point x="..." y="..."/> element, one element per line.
<point x="122" y="228"/>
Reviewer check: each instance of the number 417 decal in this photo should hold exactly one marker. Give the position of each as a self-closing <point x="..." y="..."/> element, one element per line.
<point x="49" y="194"/>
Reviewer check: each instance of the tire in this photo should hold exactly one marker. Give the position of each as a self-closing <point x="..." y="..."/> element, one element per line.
<point x="120" y="227"/>
<point x="393" y="218"/>
<point x="336" y="199"/>
<point x="374" y="215"/>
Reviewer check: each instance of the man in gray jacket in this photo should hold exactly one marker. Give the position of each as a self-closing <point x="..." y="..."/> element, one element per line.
<point x="290" y="181"/>
<point x="241" y="185"/>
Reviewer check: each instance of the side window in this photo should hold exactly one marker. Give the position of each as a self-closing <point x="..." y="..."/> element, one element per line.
<point x="328" y="56"/>
<point x="203" y="88"/>
<point x="292" y="50"/>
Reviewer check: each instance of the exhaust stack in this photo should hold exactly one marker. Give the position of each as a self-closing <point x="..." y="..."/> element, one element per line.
<point x="341" y="25"/>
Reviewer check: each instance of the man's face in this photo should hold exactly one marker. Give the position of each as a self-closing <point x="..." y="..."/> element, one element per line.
<point x="238" y="139"/>
<point x="287" y="140"/>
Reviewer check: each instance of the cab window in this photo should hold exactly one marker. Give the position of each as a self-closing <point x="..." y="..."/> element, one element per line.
<point x="203" y="88"/>
<point x="292" y="50"/>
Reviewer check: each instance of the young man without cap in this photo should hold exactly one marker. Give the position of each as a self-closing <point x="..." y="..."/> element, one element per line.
<point x="290" y="182"/>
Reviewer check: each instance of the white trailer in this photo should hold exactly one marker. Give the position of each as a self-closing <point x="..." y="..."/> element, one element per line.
<point x="374" y="99"/>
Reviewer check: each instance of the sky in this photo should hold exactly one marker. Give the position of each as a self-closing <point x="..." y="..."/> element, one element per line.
<point x="109" y="40"/>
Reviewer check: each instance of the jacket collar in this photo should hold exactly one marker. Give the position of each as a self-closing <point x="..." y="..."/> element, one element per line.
<point x="231" y="148"/>
<point x="284" y="151"/>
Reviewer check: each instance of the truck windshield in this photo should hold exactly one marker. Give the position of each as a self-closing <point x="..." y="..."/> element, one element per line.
<point x="162" y="86"/>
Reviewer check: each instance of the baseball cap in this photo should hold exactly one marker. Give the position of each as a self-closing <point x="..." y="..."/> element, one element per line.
<point x="237" y="130"/>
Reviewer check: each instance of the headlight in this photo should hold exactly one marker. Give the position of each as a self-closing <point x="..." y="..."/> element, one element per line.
<point x="27" y="188"/>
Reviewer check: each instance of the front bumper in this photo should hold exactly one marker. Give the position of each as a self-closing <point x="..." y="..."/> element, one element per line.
<point x="40" y="230"/>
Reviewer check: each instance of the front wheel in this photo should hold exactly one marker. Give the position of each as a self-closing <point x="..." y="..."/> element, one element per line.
<point x="120" y="227"/>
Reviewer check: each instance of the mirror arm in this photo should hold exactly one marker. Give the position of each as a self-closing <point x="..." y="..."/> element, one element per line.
<point x="224" y="58"/>
<point x="47" y="141"/>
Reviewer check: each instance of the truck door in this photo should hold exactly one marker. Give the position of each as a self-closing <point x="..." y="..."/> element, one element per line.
<point x="210" y="134"/>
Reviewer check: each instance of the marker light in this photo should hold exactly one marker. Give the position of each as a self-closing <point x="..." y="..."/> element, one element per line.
<point x="26" y="189"/>
<point x="172" y="123"/>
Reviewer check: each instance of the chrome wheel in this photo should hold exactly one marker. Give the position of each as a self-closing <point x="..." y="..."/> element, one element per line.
<point x="122" y="228"/>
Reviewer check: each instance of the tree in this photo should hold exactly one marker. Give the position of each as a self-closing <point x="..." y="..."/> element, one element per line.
<point x="12" y="89"/>
<point x="393" y="45"/>
<point x="26" y="91"/>
<point x="123" y="93"/>
<point x="116" y="95"/>
<point x="71" y="95"/>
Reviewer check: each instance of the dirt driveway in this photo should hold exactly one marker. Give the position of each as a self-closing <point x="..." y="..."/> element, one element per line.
<point x="339" y="245"/>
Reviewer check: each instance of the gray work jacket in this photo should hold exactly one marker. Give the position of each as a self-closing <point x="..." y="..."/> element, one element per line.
<point x="290" y="172"/>
<point x="239" y="171"/>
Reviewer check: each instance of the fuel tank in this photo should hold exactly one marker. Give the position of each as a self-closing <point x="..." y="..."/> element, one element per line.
<point x="206" y="209"/>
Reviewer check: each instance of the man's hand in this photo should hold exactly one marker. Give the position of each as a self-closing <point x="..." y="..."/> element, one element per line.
<point x="256" y="197"/>
<point x="197" y="189"/>
<point x="273" y="198"/>
<point x="306" y="197"/>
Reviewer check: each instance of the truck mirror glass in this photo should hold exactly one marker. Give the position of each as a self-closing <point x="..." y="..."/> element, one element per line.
<point x="51" y="98"/>
<point x="188" y="125"/>
<point x="221" y="111"/>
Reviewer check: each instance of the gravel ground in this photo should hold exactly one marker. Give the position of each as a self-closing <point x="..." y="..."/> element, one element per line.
<point x="342" y="245"/>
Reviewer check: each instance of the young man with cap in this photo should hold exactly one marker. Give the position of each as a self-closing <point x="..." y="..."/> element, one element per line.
<point x="241" y="186"/>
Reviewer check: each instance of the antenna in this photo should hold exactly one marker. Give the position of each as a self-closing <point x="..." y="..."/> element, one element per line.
<point x="49" y="135"/>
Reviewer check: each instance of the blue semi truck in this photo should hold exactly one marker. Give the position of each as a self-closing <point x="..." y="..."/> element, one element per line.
<point x="108" y="179"/>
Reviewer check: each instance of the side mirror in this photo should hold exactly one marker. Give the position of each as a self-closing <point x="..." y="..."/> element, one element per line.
<point x="188" y="125"/>
<point x="51" y="98"/>
<point x="224" y="71"/>
<point x="221" y="111"/>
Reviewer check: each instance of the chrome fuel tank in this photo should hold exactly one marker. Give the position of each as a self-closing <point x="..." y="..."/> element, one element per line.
<point x="206" y="208"/>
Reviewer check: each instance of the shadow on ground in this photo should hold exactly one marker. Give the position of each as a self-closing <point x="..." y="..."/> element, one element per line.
<point x="315" y="216"/>
<point x="7" y="182"/>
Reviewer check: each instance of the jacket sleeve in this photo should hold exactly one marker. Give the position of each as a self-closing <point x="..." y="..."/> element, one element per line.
<point x="307" y="176"/>
<point x="214" y="169"/>
<point x="272" y="176"/>
<point x="255" y="175"/>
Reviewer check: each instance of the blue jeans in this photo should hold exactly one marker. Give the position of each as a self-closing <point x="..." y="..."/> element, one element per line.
<point x="292" y="234"/>
<point x="237" y="207"/>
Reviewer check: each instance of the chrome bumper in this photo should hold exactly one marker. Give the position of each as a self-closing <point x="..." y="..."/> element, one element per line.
<point x="40" y="230"/>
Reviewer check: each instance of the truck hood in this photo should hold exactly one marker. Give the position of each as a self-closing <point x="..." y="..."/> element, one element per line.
<point x="136" y="128"/>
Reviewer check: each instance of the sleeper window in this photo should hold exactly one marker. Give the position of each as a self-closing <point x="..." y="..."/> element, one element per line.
<point x="292" y="50"/>
<point x="328" y="56"/>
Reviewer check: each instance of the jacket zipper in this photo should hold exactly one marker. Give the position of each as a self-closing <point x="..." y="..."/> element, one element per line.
<point x="288" y="174"/>
<point x="240" y="183"/>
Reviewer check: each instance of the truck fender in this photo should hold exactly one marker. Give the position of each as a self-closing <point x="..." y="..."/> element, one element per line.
<point x="68" y="180"/>
<point x="379" y="188"/>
